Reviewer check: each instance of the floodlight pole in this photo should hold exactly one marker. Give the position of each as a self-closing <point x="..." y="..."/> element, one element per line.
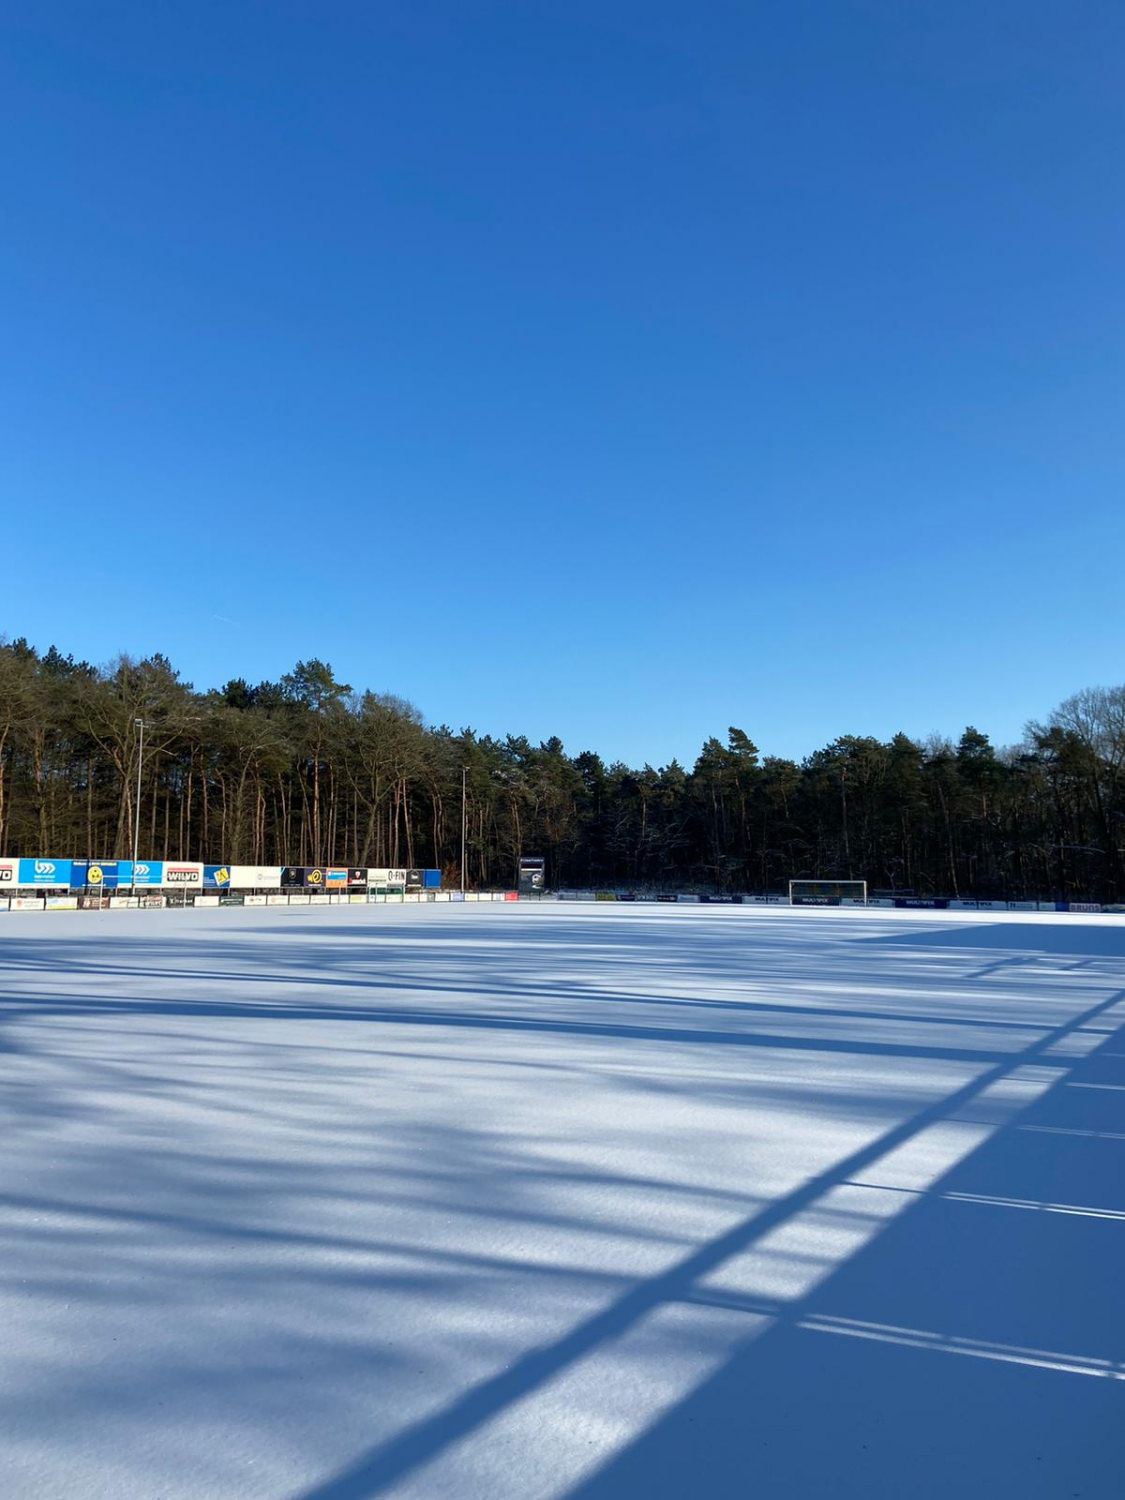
<point x="140" y="725"/>
<point x="464" y="775"/>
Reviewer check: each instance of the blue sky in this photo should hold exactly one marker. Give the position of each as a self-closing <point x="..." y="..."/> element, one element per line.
<point x="621" y="371"/>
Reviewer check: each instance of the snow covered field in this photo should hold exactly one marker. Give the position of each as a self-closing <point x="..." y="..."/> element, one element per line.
<point x="540" y="1201"/>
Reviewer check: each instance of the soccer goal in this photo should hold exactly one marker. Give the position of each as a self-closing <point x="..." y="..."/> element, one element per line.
<point x="828" y="893"/>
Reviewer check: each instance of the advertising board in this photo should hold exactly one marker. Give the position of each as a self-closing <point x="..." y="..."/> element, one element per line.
<point x="45" y="872"/>
<point x="9" y="874"/>
<point x="181" y="874"/>
<point x="255" y="877"/>
<point x="216" y="877"/>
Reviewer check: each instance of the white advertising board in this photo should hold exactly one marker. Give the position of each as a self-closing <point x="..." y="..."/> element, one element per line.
<point x="27" y="903"/>
<point x="181" y="875"/>
<point x="9" y="874"/>
<point x="206" y="900"/>
<point x="257" y="900"/>
<point x="255" y="877"/>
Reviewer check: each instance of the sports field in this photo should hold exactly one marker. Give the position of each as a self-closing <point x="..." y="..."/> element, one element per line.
<point x="495" y="1202"/>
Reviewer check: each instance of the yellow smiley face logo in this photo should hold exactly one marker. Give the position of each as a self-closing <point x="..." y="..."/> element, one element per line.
<point x="94" y="875"/>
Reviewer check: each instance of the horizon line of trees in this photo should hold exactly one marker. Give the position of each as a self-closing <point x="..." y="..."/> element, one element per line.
<point x="307" y="770"/>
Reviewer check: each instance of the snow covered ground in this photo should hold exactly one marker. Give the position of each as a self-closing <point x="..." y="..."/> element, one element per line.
<point x="541" y="1201"/>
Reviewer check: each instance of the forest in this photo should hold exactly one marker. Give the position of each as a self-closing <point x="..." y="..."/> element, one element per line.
<point x="308" y="770"/>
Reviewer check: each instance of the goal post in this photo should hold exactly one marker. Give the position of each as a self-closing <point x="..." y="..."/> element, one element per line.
<point x="828" y="893"/>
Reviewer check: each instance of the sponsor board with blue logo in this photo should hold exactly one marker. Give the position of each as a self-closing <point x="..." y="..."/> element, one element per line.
<point x="142" y="872"/>
<point x="216" y="877"/>
<point x="48" y="872"/>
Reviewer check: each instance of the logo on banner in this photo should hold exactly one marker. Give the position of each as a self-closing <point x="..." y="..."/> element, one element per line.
<point x="7" y="872"/>
<point x="94" y="875"/>
<point x="44" y="867"/>
<point x="316" y="877"/>
<point x="141" y="871"/>
<point x="222" y="876"/>
<point x="181" y="876"/>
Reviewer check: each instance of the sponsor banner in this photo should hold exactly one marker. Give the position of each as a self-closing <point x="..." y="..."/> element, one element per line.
<point x="992" y="905"/>
<point x="146" y="872"/>
<point x="5" y="903"/>
<point x="320" y="899"/>
<point x="605" y="895"/>
<point x="357" y="877"/>
<point x="455" y="896"/>
<point x="511" y="895"/>
<point x="1022" y="905"/>
<point x="180" y="874"/>
<point x="204" y="900"/>
<point x="180" y="898"/>
<point x="94" y="903"/>
<point x="48" y="872"/>
<point x="292" y="878"/>
<point x="432" y="879"/>
<point x="963" y="905"/>
<point x="27" y="903"/>
<point x="376" y="895"/>
<point x="690" y="899"/>
<point x="926" y="903"/>
<point x="271" y="900"/>
<point x="337" y="898"/>
<point x="357" y="898"/>
<point x="9" y="873"/>
<point x="1081" y="905"/>
<point x="1115" y="908"/>
<point x="102" y="874"/>
<point x="78" y="868"/>
<point x="216" y="877"/>
<point x="414" y="879"/>
<point x="230" y="898"/>
<point x="153" y="902"/>
<point x="715" y="900"/>
<point x="256" y="900"/>
<point x="122" y="903"/>
<point x="815" y="901"/>
<point x="255" y="877"/>
<point x="62" y="903"/>
<point x="335" y="878"/>
<point x="880" y="901"/>
<point x="314" y="878"/>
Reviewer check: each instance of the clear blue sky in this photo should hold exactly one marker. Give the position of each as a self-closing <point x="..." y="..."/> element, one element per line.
<point x="615" y="370"/>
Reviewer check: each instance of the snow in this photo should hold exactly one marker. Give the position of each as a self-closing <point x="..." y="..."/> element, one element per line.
<point x="534" y="1201"/>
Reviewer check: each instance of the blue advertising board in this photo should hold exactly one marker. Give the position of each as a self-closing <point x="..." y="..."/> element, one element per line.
<point x="102" y="872"/>
<point x="143" y="872"/>
<point x="49" y="872"/>
<point x="216" y="877"/>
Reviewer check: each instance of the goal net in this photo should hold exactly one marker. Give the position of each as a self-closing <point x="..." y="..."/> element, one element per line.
<point x="828" y="892"/>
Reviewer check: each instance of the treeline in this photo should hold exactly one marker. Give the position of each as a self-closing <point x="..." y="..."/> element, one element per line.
<point x="308" y="771"/>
